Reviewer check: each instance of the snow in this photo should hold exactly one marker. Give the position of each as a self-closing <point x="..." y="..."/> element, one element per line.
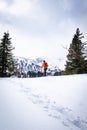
<point x="45" y="103"/>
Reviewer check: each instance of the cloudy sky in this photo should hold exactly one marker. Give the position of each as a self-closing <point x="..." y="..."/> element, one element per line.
<point x="42" y="28"/>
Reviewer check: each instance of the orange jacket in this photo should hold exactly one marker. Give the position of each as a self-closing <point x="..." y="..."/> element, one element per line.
<point x="44" y="65"/>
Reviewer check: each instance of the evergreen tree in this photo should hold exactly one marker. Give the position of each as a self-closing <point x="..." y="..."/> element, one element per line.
<point x="76" y="59"/>
<point x="7" y="62"/>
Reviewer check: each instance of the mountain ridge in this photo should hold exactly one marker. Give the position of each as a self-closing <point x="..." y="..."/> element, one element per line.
<point x="32" y="67"/>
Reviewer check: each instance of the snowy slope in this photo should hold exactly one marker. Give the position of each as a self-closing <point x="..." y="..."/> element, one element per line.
<point x="48" y="103"/>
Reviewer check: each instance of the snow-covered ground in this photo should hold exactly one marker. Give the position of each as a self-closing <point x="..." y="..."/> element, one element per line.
<point x="45" y="103"/>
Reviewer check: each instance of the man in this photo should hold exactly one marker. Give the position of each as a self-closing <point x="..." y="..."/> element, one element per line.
<point x="45" y="66"/>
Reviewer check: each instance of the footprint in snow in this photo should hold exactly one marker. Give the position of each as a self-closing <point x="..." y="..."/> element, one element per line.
<point x="65" y="115"/>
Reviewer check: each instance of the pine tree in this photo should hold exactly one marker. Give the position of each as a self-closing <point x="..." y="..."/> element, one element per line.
<point x="76" y="59"/>
<point x="7" y="63"/>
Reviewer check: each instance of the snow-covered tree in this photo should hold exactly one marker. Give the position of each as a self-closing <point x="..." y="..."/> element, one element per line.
<point x="7" y="62"/>
<point x="76" y="59"/>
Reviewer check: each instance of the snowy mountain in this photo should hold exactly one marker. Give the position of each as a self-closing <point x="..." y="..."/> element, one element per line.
<point x="33" y="67"/>
<point x="45" y="103"/>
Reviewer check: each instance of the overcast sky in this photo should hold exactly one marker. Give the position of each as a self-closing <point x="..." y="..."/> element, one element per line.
<point x="42" y="28"/>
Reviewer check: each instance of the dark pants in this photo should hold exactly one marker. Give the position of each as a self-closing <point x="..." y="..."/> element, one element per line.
<point x="45" y="69"/>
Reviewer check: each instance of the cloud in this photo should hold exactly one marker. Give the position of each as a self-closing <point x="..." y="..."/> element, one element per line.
<point x="42" y="27"/>
<point x="24" y="14"/>
<point x="21" y="7"/>
<point x="17" y="7"/>
<point x="2" y="6"/>
<point x="78" y="7"/>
